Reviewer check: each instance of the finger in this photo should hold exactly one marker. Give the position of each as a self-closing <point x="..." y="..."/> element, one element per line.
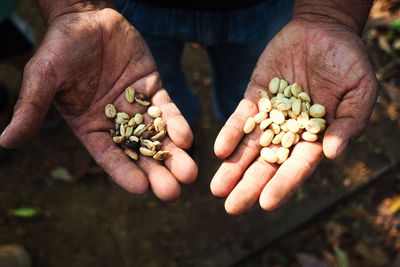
<point x="232" y="132"/>
<point x="164" y="185"/>
<point x="37" y="93"/>
<point x="352" y="117"/>
<point x="232" y="169"/>
<point x="115" y="162"/>
<point x="291" y="174"/>
<point x="248" y="190"/>
<point x="177" y="127"/>
<point x="180" y="164"/>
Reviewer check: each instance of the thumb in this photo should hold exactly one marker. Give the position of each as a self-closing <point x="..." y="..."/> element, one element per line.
<point x="36" y="95"/>
<point x="352" y="116"/>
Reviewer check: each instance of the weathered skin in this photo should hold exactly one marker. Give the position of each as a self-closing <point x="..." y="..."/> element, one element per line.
<point x="86" y="61"/>
<point x="90" y="54"/>
<point x="328" y="59"/>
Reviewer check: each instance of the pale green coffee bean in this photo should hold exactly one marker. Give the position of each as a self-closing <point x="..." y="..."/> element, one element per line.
<point x="140" y="129"/>
<point x="131" y="153"/>
<point x="148" y="144"/>
<point x="118" y="139"/>
<point x="282" y="153"/>
<point x="296" y="106"/>
<point x="263" y="93"/>
<point x="154" y="112"/>
<point x="268" y="155"/>
<point x="304" y="97"/>
<point x="312" y="126"/>
<point x="150" y="125"/>
<point x="277" y="116"/>
<point x="132" y="122"/>
<point x="283" y="104"/>
<point x="138" y="118"/>
<point x="304" y="115"/>
<point x="130" y="94"/>
<point x="122" y="129"/>
<point x="110" y="111"/>
<point x="317" y="111"/>
<point x="296" y="89"/>
<point x="287" y="92"/>
<point x="249" y="125"/>
<point x="122" y="117"/>
<point x="159" y="124"/>
<point x="142" y="99"/>
<point x="305" y="107"/>
<point x="273" y="101"/>
<point x="133" y="138"/>
<point x="259" y="117"/>
<point x="147" y="152"/>
<point x="311" y="137"/>
<point x="264" y="105"/>
<point x="128" y="131"/>
<point x="159" y="136"/>
<point x="278" y="138"/>
<point x="321" y="122"/>
<point x="291" y="114"/>
<point x="266" y="138"/>
<point x="302" y="119"/>
<point x="284" y="126"/>
<point x="293" y="125"/>
<point x="280" y="95"/>
<point x="275" y="128"/>
<point x="288" y="139"/>
<point x="162" y="155"/>
<point x="274" y="85"/>
<point x="265" y="123"/>
<point x="282" y="85"/>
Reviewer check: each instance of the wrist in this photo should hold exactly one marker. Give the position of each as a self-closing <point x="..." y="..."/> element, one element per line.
<point x="52" y="9"/>
<point x="350" y="14"/>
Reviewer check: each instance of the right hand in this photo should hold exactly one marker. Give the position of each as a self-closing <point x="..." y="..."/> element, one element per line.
<point x="329" y="61"/>
<point x="86" y="61"/>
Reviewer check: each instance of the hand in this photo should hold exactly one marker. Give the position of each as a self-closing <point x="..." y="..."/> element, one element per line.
<point x="329" y="61"/>
<point x="86" y="61"/>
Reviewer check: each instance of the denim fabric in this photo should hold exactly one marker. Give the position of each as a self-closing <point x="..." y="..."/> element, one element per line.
<point x="6" y="7"/>
<point x="233" y="39"/>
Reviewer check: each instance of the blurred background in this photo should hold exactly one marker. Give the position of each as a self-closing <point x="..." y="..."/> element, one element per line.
<point x="58" y="208"/>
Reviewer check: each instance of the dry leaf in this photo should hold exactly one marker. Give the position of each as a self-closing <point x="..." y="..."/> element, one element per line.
<point x="395" y="205"/>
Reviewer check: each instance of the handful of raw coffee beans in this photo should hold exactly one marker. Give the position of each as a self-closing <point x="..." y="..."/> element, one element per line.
<point x="285" y="119"/>
<point x="132" y="134"/>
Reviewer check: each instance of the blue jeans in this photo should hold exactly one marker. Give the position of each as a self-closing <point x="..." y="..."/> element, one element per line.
<point x="233" y="39"/>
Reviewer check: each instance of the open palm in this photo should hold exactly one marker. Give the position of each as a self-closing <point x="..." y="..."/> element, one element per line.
<point x="329" y="61"/>
<point x="86" y="61"/>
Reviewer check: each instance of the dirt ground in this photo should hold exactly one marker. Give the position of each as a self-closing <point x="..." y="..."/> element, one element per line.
<point x="345" y="215"/>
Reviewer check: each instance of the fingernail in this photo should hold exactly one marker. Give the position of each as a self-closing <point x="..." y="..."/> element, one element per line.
<point x="341" y="148"/>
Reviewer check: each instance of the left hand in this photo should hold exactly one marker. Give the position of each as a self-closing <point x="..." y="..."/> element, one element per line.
<point x="86" y="60"/>
<point x="329" y="61"/>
